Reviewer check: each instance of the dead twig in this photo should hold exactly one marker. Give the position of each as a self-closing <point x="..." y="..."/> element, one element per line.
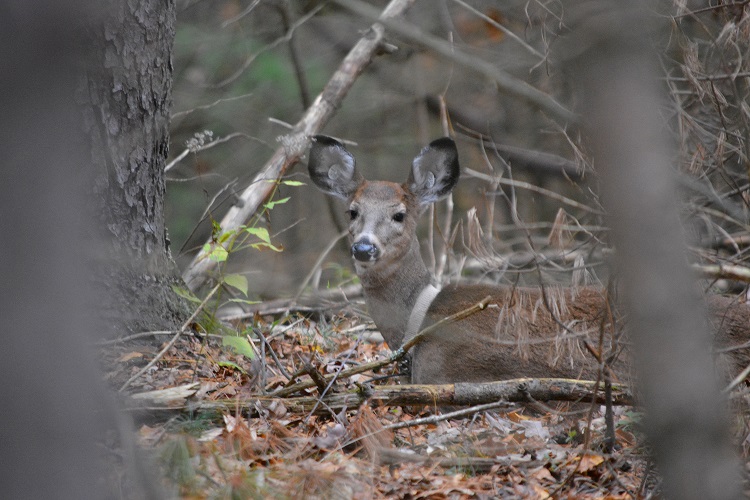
<point x="724" y="271"/>
<point x="503" y="80"/>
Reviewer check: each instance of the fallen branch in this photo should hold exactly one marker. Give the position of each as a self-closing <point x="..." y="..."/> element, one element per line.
<point x="295" y="144"/>
<point x="724" y="271"/>
<point x="462" y="394"/>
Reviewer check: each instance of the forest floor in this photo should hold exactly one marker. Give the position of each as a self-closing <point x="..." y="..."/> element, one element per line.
<point x="263" y="448"/>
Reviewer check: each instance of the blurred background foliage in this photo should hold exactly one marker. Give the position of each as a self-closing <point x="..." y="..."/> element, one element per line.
<point x="245" y="69"/>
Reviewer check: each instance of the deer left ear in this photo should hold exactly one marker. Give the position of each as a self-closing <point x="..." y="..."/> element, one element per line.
<point x="332" y="167"/>
<point x="434" y="172"/>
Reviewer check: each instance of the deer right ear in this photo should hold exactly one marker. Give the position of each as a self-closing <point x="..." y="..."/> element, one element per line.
<point x="332" y="168"/>
<point x="434" y="171"/>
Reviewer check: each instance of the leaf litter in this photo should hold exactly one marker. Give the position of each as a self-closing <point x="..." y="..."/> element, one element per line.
<point x="272" y="452"/>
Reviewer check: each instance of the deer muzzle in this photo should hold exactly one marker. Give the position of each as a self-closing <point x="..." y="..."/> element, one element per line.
<point x="365" y="250"/>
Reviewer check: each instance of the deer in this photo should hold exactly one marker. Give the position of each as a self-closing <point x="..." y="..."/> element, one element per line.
<point x="541" y="331"/>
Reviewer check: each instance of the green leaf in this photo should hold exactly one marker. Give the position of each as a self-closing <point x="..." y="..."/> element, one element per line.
<point x="218" y="253"/>
<point x="225" y="236"/>
<point x="240" y="345"/>
<point x="292" y="183"/>
<point x="230" y="365"/>
<point x="272" y="204"/>
<point x="260" y="232"/>
<point x="215" y="229"/>
<point x="237" y="281"/>
<point x="185" y="294"/>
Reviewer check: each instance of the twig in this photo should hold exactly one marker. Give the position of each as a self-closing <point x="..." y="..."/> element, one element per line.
<point x="135" y="336"/>
<point x="242" y="14"/>
<point x="282" y="39"/>
<point x="203" y="147"/>
<point x="208" y="106"/>
<point x="142" y="335"/>
<point x="422" y="335"/>
<point x="531" y="187"/>
<point x="502" y="28"/>
<point x="725" y="271"/>
<point x="275" y="358"/>
<point x="174" y="339"/>
<point x="317" y="264"/>
<point x="445" y="416"/>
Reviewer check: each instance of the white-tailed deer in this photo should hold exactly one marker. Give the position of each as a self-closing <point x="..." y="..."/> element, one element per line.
<point x="525" y="332"/>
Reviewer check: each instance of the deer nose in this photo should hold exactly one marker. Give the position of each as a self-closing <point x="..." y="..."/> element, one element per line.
<point x="364" y="250"/>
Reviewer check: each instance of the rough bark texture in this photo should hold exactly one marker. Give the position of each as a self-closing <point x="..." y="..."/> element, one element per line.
<point x="125" y="100"/>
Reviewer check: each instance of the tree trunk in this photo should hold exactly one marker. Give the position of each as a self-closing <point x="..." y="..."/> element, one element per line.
<point x="125" y="100"/>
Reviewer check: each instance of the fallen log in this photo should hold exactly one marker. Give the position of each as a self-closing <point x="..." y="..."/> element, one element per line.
<point x="522" y="390"/>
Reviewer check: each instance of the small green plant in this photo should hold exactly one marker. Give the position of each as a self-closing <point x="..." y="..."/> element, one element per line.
<point x="222" y="244"/>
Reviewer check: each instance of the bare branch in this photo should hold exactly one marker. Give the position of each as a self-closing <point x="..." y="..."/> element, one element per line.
<point x="502" y="28"/>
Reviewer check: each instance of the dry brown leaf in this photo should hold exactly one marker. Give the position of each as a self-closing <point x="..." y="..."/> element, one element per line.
<point x="131" y="355"/>
<point x="589" y="461"/>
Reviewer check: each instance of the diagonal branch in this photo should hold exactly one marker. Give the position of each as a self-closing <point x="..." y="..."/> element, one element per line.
<point x="294" y="145"/>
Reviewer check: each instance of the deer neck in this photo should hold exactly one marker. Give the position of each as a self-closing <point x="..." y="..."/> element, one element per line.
<point x="391" y="292"/>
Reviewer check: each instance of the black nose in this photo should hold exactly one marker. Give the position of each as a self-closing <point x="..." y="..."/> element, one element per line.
<point x="363" y="250"/>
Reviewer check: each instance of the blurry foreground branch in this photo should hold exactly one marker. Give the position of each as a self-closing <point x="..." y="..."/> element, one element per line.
<point x="686" y="420"/>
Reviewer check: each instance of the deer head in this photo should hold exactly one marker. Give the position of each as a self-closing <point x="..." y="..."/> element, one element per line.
<point x="383" y="215"/>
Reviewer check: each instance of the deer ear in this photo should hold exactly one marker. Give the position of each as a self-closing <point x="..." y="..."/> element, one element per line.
<point x="332" y="168"/>
<point x="435" y="171"/>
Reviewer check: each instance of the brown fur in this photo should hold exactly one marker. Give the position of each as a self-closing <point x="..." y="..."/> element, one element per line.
<point x="524" y="333"/>
<point x="521" y="337"/>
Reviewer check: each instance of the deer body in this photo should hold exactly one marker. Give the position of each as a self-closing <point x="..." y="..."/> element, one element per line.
<point x="530" y="332"/>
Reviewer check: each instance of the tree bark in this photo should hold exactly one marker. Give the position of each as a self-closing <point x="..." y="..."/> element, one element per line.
<point x="125" y="99"/>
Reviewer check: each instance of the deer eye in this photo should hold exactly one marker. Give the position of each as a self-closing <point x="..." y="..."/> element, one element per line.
<point x="399" y="217"/>
<point x="353" y="214"/>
